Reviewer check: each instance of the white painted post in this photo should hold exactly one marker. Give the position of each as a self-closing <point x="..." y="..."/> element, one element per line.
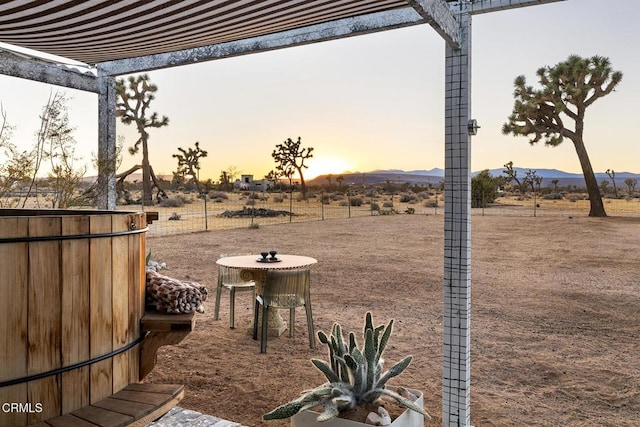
<point x="106" y="142"/>
<point x="457" y="232"/>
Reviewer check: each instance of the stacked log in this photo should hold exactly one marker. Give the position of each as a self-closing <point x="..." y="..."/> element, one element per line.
<point x="168" y="295"/>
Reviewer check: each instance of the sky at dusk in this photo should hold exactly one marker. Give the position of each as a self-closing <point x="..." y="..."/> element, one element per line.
<point x="375" y="101"/>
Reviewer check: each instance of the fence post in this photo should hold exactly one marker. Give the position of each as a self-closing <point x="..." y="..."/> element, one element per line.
<point x="206" y="213"/>
<point x="349" y="203"/>
<point x="290" y="204"/>
<point x="253" y="206"/>
<point x="322" y="203"/>
<point x="371" y="202"/>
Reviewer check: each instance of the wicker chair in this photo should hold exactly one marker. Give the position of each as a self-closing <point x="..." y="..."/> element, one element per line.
<point x="229" y="278"/>
<point x="284" y="289"/>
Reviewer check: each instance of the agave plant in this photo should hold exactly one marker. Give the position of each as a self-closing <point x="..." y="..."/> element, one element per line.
<point x="354" y="375"/>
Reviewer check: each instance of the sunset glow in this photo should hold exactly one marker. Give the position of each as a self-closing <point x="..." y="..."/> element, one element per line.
<point x="323" y="165"/>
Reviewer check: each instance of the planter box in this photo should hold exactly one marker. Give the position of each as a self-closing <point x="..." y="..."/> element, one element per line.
<point x="408" y="418"/>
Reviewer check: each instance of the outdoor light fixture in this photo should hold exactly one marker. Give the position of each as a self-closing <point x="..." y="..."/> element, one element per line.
<point x="473" y="127"/>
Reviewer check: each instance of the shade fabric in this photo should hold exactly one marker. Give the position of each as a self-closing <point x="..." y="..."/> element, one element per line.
<point x="98" y="30"/>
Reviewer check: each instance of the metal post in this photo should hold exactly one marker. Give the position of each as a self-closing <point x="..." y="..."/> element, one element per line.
<point x="457" y="233"/>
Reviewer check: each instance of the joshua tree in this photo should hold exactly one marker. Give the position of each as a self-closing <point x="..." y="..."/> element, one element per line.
<point x="534" y="180"/>
<point x="131" y="106"/>
<point x="289" y="156"/>
<point x="568" y="88"/>
<point x="512" y="175"/>
<point x="631" y="184"/>
<point x="329" y="177"/>
<point x="189" y="163"/>
<point x="612" y="174"/>
<point x="555" y="185"/>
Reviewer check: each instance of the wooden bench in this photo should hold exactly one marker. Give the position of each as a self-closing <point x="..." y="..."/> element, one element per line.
<point x="136" y="404"/>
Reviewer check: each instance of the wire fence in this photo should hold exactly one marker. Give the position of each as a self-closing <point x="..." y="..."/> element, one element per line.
<point x="254" y="210"/>
<point x="261" y="209"/>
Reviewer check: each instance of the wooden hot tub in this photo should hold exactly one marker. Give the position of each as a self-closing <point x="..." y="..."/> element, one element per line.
<point x="71" y="301"/>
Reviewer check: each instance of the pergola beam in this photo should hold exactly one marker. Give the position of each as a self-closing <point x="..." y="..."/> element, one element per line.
<point x="438" y="14"/>
<point x="45" y="72"/>
<point x="485" y="6"/>
<point x="340" y="28"/>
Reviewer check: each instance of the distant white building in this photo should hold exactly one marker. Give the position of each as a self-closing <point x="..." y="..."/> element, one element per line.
<point x="247" y="183"/>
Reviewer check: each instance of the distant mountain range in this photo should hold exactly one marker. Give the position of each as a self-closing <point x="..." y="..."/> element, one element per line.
<point x="435" y="175"/>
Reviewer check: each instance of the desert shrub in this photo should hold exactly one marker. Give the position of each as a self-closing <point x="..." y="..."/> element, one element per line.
<point x="344" y="203"/>
<point x="576" y="197"/>
<point x="254" y="225"/>
<point x="410" y="211"/>
<point x="172" y="202"/>
<point x="553" y="196"/>
<point x="218" y="195"/>
<point x="406" y="198"/>
<point x="250" y="202"/>
<point x="356" y="201"/>
<point x="326" y="200"/>
<point x="246" y="193"/>
<point x="336" y="197"/>
<point x="387" y="205"/>
<point x="484" y="189"/>
<point x="174" y="217"/>
<point x="375" y="207"/>
<point x="217" y="200"/>
<point x="431" y="203"/>
<point x="278" y="198"/>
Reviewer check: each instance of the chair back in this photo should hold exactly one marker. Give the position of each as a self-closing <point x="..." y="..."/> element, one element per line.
<point x="230" y="276"/>
<point x="287" y="288"/>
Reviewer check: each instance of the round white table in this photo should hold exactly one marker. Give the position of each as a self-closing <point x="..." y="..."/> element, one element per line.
<point x="253" y="267"/>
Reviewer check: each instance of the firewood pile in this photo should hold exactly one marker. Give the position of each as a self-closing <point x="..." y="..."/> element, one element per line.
<point x="168" y="295"/>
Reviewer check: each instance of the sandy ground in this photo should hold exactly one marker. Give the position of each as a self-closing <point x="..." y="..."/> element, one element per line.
<point x="555" y="326"/>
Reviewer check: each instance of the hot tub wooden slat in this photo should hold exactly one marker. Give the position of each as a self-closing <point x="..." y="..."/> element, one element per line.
<point x="75" y="312"/>
<point x="101" y="308"/>
<point x="13" y="311"/>
<point x="120" y="283"/>
<point x="44" y="317"/>
<point x="137" y="257"/>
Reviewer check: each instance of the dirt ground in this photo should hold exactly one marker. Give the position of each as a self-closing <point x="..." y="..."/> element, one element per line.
<point x="555" y="316"/>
